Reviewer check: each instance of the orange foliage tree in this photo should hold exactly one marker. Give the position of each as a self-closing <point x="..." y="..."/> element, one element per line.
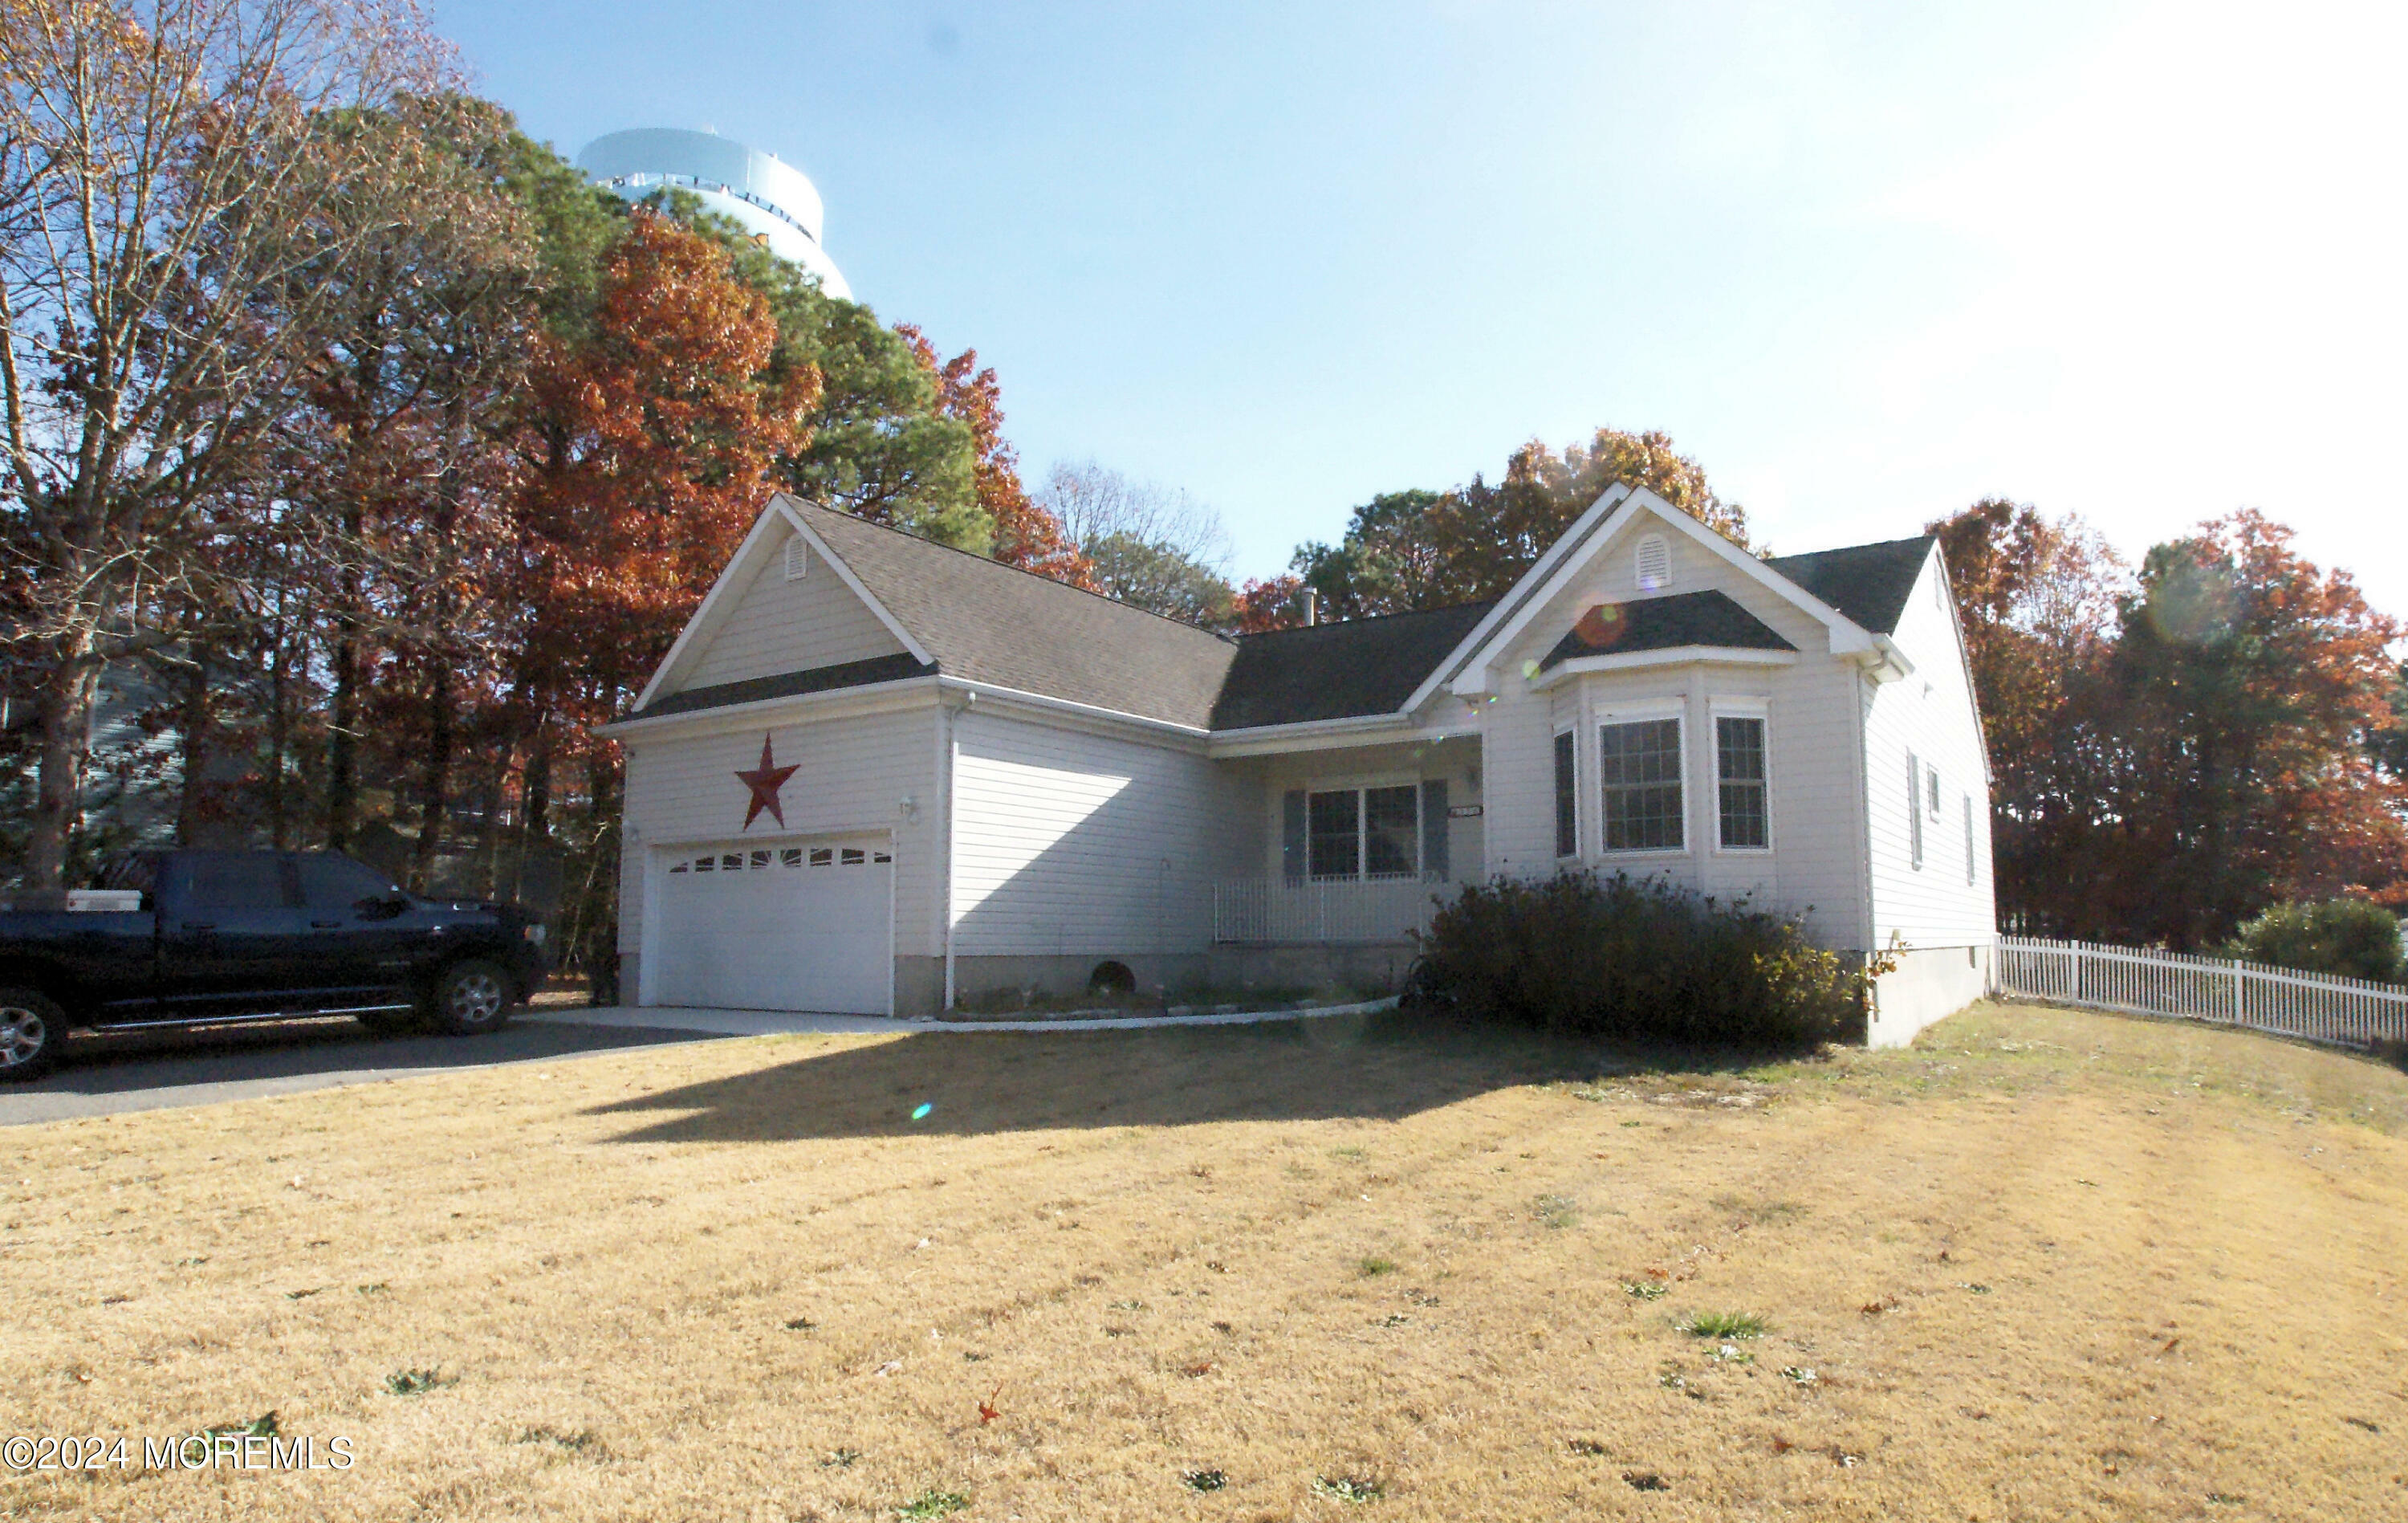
<point x="2174" y="753"/>
<point x="1025" y="534"/>
<point x="646" y="454"/>
<point x="2245" y="684"/>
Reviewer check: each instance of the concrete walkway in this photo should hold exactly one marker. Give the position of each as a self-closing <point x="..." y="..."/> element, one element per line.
<point x="769" y="1022"/>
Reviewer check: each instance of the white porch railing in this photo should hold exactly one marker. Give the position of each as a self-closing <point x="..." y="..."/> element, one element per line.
<point x="1378" y="909"/>
<point x="2315" y="1007"/>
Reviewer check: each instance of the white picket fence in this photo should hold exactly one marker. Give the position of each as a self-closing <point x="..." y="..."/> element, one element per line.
<point x="2314" y="1007"/>
<point x="1380" y="910"/>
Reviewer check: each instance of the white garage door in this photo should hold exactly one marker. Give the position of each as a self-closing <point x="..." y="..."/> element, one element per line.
<point x="805" y="927"/>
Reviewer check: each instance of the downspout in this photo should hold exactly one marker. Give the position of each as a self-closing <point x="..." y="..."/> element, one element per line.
<point x="949" y="757"/>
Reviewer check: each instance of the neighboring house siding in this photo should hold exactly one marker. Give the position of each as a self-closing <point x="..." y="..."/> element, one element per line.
<point x="1812" y="866"/>
<point x="853" y="775"/>
<point x="1931" y="716"/>
<point x="1067" y="842"/>
<point x="778" y="627"/>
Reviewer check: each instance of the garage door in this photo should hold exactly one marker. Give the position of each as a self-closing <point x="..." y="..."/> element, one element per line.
<point x="806" y="926"/>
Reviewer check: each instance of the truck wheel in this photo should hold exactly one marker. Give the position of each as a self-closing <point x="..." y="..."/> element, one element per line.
<point x="469" y="999"/>
<point x="32" y="1026"/>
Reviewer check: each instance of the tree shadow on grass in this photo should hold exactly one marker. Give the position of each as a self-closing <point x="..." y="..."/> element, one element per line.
<point x="1379" y="1068"/>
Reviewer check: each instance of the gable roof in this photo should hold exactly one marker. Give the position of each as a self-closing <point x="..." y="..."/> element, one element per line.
<point x="1346" y="671"/>
<point x="964" y="616"/>
<point x="990" y="623"/>
<point x="1869" y="584"/>
<point x="1664" y="623"/>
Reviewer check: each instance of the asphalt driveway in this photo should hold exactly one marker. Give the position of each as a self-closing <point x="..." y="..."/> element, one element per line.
<point x="149" y="1071"/>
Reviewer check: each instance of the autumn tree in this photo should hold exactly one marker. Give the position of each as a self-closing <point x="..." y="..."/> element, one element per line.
<point x="2244" y="683"/>
<point x="1023" y="532"/>
<point x="397" y="465"/>
<point x="1419" y="550"/>
<point x="2038" y="599"/>
<point x="647" y="450"/>
<point x="162" y="164"/>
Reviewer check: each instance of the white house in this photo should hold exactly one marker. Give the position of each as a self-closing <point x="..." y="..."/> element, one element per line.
<point x="875" y="774"/>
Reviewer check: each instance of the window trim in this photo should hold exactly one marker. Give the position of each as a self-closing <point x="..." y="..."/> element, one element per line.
<point x="1362" y="787"/>
<point x="1676" y="712"/>
<point x="1718" y="710"/>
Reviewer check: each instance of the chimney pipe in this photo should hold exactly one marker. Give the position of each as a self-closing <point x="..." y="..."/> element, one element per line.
<point x="1311" y="606"/>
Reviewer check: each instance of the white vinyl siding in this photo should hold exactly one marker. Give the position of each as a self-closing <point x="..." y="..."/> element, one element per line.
<point x="780" y="626"/>
<point x="852" y="774"/>
<point x="1070" y="842"/>
<point x="1930" y="884"/>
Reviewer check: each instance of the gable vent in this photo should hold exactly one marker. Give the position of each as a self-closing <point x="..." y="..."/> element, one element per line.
<point x="1655" y="563"/>
<point x="798" y="558"/>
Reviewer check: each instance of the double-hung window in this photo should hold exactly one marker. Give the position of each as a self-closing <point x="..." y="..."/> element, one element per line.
<point x="1745" y="820"/>
<point x="1363" y="832"/>
<point x="1638" y="770"/>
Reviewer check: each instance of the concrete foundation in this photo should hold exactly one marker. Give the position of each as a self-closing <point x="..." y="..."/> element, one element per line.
<point x="1224" y="971"/>
<point x="1930" y="984"/>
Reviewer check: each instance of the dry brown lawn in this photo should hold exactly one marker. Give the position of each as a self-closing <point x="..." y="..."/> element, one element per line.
<point x="2046" y="1266"/>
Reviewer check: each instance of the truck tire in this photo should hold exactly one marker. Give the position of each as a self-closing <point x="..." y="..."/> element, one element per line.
<point x="469" y="999"/>
<point x="32" y="1026"/>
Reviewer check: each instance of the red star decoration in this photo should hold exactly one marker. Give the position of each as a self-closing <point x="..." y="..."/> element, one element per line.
<point x="764" y="780"/>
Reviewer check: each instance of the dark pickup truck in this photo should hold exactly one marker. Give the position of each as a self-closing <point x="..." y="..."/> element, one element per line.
<point x="201" y="938"/>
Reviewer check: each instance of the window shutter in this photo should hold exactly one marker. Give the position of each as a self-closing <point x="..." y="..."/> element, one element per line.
<point x="1292" y="845"/>
<point x="1434" y="861"/>
<point x="1567" y="805"/>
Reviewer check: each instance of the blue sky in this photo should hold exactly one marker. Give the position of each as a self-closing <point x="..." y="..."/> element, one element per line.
<point x="1867" y="263"/>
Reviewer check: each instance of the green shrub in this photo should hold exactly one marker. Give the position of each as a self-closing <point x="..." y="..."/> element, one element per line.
<point x="2347" y="937"/>
<point x="1580" y="954"/>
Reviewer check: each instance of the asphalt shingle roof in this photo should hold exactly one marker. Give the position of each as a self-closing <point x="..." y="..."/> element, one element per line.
<point x="992" y="623"/>
<point x="1869" y="584"/>
<point x="1664" y="624"/>
<point x="1338" y="671"/>
<point x="786" y="684"/>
